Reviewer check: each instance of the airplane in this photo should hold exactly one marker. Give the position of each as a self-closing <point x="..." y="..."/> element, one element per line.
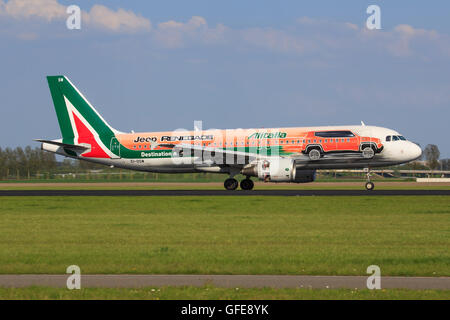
<point x="271" y="155"/>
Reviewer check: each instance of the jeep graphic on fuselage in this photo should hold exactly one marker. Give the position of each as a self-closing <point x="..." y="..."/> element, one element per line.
<point x="318" y="143"/>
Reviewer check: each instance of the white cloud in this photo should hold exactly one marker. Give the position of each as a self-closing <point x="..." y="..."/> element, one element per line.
<point x="330" y="38"/>
<point x="193" y="24"/>
<point x="99" y="16"/>
<point x="307" y="35"/>
<point x="409" y="31"/>
<point x="404" y="40"/>
<point x="274" y="40"/>
<point x="351" y="25"/>
<point x="120" y="20"/>
<point x="321" y="23"/>
<point x="45" y="9"/>
<point x="175" y="34"/>
<point x="404" y="35"/>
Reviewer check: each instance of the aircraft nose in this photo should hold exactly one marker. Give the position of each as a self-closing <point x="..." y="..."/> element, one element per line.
<point x="415" y="151"/>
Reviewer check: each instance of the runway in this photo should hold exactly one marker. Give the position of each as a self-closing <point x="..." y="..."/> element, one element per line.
<point x="278" y="192"/>
<point x="227" y="281"/>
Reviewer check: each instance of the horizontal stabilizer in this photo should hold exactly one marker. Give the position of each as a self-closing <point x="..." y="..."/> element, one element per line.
<point x="73" y="147"/>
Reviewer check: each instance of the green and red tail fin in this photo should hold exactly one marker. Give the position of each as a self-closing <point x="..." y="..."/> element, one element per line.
<point x="79" y="122"/>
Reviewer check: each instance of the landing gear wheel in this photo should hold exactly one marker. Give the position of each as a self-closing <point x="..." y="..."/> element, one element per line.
<point x="314" y="154"/>
<point x="368" y="153"/>
<point x="231" y="184"/>
<point x="370" y="185"/>
<point x="247" y="184"/>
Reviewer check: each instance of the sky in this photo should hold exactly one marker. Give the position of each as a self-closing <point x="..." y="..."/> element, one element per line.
<point x="161" y="65"/>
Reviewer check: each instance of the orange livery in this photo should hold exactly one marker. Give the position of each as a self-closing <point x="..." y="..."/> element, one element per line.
<point x="271" y="155"/>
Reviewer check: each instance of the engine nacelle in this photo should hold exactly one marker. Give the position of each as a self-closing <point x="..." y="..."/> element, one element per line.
<point x="304" y="176"/>
<point x="279" y="170"/>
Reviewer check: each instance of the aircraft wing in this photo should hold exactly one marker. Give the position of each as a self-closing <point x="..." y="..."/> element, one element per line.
<point x="211" y="153"/>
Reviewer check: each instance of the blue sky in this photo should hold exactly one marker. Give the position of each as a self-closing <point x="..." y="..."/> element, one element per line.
<point x="160" y="65"/>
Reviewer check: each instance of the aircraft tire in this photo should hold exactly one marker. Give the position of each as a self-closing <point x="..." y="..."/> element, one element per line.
<point x="370" y="186"/>
<point x="231" y="184"/>
<point x="247" y="184"/>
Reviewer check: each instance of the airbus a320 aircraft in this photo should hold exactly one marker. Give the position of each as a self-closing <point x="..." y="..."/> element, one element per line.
<point x="271" y="155"/>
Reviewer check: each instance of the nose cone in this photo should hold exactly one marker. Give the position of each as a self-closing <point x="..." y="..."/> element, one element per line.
<point x="414" y="151"/>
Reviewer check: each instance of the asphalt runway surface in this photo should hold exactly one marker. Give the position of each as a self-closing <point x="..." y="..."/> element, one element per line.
<point x="228" y="281"/>
<point x="278" y="192"/>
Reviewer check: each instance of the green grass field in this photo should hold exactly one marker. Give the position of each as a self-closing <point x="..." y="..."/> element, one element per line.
<point x="355" y="185"/>
<point x="208" y="293"/>
<point x="405" y="236"/>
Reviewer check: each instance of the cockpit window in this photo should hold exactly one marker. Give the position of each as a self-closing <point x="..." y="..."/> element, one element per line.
<point x="395" y="138"/>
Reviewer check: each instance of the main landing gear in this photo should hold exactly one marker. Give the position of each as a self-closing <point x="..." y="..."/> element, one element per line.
<point x="232" y="184"/>
<point x="247" y="184"/>
<point x="369" y="184"/>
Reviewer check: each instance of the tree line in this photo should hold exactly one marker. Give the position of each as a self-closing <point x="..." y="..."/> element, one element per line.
<point x="22" y="163"/>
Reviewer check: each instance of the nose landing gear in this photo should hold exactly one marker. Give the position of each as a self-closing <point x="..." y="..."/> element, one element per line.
<point x="369" y="184"/>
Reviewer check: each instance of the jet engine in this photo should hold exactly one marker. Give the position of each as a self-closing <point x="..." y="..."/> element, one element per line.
<point x="278" y="170"/>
